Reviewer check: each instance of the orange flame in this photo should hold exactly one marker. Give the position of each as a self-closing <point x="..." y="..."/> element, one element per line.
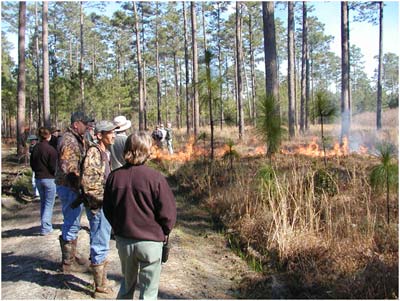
<point x="313" y="149"/>
<point x="191" y="151"/>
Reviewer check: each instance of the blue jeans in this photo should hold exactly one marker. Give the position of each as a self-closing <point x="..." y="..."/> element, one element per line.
<point x="100" y="228"/>
<point x="47" y="192"/>
<point x="100" y="234"/>
<point x="141" y="266"/>
<point x="34" y="186"/>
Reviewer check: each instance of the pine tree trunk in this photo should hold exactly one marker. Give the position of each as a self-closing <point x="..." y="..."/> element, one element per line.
<point x="144" y="88"/>
<point x="303" y="69"/>
<point x="239" y="53"/>
<point x="158" y="72"/>
<point x="195" y="82"/>
<point x="291" y="74"/>
<point x="271" y="70"/>
<point x="21" y="80"/>
<point x="252" y="72"/>
<point x="345" y="72"/>
<point x="82" y="86"/>
<point x="380" y="70"/>
<point x="167" y="113"/>
<point x="186" y="70"/>
<point x="210" y="102"/>
<point x="46" y="79"/>
<point x="220" y="66"/>
<point x="139" y="68"/>
<point x="308" y="92"/>
<point x="177" y="97"/>
<point x="37" y="59"/>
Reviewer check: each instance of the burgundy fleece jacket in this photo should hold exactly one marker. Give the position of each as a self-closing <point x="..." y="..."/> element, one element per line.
<point x="139" y="203"/>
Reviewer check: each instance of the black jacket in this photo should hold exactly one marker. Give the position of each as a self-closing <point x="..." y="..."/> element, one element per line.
<point x="44" y="160"/>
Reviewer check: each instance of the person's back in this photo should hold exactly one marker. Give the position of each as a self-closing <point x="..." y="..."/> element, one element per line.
<point x="43" y="162"/>
<point x="71" y="149"/>
<point x="157" y="135"/>
<point x="138" y="191"/>
<point x="117" y="149"/>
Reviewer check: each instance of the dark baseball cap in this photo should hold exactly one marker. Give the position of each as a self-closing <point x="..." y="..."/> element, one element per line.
<point x="80" y="116"/>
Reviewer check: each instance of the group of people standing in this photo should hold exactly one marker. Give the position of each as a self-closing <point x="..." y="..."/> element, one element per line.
<point x="163" y="136"/>
<point x="104" y="174"/>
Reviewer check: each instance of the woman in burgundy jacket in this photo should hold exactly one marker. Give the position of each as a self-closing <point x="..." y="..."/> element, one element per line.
<point x="141" y="209"/>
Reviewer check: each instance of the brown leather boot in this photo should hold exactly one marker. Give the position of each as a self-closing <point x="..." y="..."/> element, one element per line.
<point x="70" y="263"/>
<point x="79" y="260"/>
<point x="103" y="288"/>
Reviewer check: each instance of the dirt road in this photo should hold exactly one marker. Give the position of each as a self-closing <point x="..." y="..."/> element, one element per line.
<point x="200" y="264"/>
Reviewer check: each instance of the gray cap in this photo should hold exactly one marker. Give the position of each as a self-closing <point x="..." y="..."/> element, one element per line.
<point x="80" y="116"/>
<point x="105" y="126"/>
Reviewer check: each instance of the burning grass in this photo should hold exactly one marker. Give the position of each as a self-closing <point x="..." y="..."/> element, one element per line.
<point x="321" y="228"/>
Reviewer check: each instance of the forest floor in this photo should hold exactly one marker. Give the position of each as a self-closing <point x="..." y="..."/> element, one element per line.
<point x="200" y="266"/>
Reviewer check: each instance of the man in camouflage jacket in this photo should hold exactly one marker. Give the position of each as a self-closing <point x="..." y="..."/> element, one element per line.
<point x="71" y="151"/>
<point x="95" y="170"/>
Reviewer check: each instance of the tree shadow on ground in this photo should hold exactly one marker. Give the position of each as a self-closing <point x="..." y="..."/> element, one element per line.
<point x="33" y="231"/>
<point x="168" y="296"/>
<point x="39" y="270"/>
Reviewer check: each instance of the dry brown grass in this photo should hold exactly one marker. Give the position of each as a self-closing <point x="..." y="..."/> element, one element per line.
<point x="324" y="229"/>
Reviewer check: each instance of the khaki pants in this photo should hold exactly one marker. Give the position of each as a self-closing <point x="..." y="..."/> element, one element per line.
<point x="141" y="265"/>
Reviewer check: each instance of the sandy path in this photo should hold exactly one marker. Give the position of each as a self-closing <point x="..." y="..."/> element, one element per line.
<point x="200" y="265"/>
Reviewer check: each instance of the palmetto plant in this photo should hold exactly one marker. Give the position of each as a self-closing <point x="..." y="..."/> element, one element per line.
<point x="323" y="109"/>
<point x="386" y="174"/>
<point x="269" y="124"/>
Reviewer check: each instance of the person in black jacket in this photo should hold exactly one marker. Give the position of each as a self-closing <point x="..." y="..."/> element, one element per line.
<point x="141" y="209"/>
<point x="43" y="162"/>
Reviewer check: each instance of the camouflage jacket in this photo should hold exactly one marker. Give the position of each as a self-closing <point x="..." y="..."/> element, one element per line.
<point x="95" y="170"/>
<point x="71" y="151"/>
